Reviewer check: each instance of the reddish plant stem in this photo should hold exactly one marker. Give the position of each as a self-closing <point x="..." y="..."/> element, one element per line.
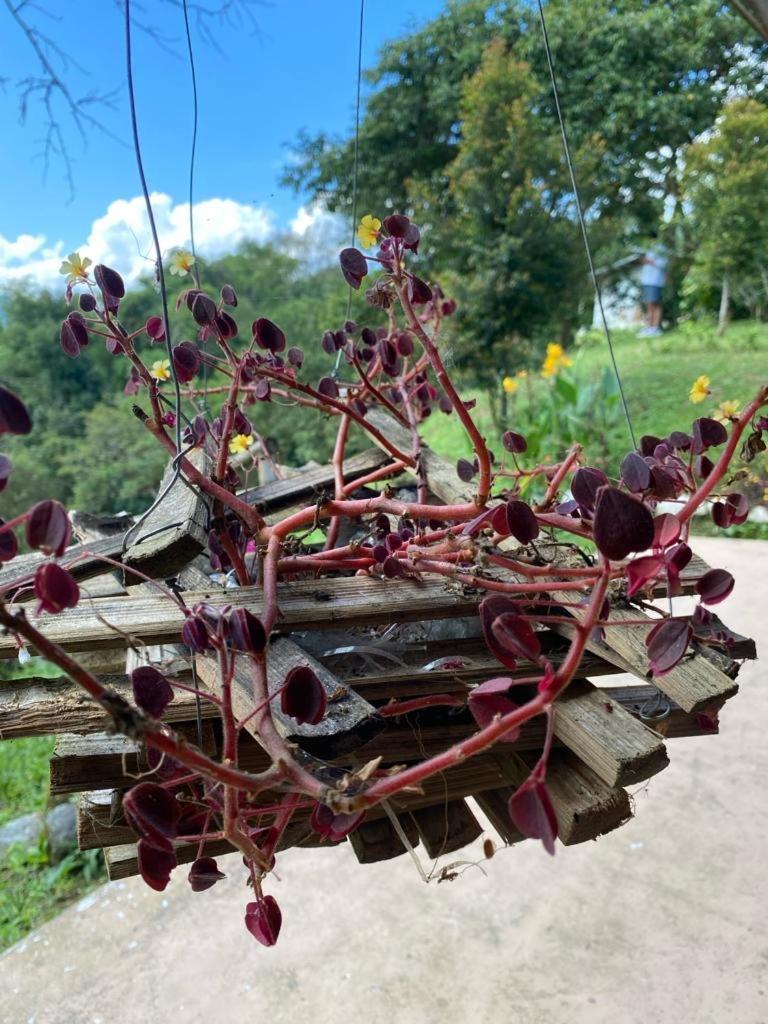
<point x="478" y="441"/>
<point x="486" y="737"/>
<point x="402" y="707"/>
<point x="338" y="475"/>
<point x="722" y="464"/>
<point x="563" y="470"/>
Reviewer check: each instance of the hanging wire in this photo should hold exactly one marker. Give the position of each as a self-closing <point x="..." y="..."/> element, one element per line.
<point x="193" y="74"/>
<point x="582" y="222"/>
<point x="160" y="278"/>
<point x="190" y="197"/>
<point x="355" y="160"/>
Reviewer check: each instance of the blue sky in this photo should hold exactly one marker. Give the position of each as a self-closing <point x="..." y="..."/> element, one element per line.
<point x="297" y="71"/>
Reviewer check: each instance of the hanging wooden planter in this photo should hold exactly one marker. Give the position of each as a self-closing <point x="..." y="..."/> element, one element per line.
<point x="368" y="642"/>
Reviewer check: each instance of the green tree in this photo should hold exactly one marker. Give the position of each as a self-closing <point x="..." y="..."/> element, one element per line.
<point x="727" y="187"/>
<point x="641" y="79"/>
<point x="510" y="242"/>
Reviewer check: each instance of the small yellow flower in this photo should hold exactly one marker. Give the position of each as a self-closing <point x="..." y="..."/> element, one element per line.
<point x="521" y="374"/>
<point x="181" y="262"/>
<point x="555" y="361"/>
<point x="75" y="267"/>
<point x="699" y="389"/>
<point x="240" y="443"/>
<point x="161" y="369"/>
<point x="510" y="385"/>
<point x="368" y="230"/>
<point x="765" y="495"/>
<point x="727" y="410"/>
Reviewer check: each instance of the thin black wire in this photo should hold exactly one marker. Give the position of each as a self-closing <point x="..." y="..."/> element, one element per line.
<point x="356" y="158"/>
<point x="192" y="156"/>
<point x="582" y="223"/>
<point x="160" y="274"/>
<point x="193" y="74"/>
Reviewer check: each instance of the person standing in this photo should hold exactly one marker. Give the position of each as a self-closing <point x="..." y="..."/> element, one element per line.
<point x="652" y="278"/>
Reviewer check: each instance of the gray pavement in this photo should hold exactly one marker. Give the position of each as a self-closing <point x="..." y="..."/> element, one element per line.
<point x="663" y="920"/>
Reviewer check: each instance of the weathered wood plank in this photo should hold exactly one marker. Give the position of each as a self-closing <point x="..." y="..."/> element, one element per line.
<point x="446" y="828"/>
<point x="615" y="745"/>
<point x="278" y="494"/>
<point x="348" y="723"/>
<point x="176" y="530"/>
<point x="82" y="560"/>
<point x="584" y="805"/>
<point x="493" y="803"/>
<point x="308" y="604"/>
<point x="377" y="840"/>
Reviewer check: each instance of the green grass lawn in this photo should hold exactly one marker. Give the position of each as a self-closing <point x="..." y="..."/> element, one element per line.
<point x="32" y="889"/>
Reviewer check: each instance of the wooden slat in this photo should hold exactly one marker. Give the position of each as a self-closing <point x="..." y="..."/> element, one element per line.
<point x="84" y="559"/>
<point x="377" y="840"/>
<point x="694" y="684"/>
<point x="584" y="805"/>
<point x="278" y="494"/>
<point x="493" y="803"/>
<point x="446" y="828"/>
<point x="349" y="720"/>
<point x="615" y="745"/>
<point x="308" y="604"/>
<point x="82" y="763"/>
<point x="176" y="530"/>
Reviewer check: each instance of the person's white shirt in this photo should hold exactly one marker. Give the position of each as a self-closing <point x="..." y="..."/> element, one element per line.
<point x="654" y="272"/>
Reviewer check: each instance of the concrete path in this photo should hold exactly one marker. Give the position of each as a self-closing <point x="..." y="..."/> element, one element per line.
<point x="664" y="920"/>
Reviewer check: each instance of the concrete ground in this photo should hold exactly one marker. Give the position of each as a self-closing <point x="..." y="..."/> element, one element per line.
<point x="663" y="920"/>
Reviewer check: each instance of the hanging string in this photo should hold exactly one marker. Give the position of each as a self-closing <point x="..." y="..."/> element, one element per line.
<point x="582" y="223"/>
<point x="355" y="159"/>
<point x="193" y="74"/>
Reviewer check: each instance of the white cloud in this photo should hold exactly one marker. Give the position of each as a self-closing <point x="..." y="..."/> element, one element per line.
<point x="121" y="238"/>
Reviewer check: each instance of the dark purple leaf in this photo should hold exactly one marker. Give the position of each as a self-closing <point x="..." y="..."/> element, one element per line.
<point x="5" y="471"/>
<point x="707" y="433"/>
<point x="14" y="418"/>
<point x="247" y="632"/>
<point x="354" y="266"/>
<point x="328" y="388"/>
<point x="677" y="439"/>
<point x="87" y="302"/>
<point x="714" y="586"/>
<point x="465" y="470"/>
<point x="666" y="530"/>
<point x="151" y="690"/>
<point x="263" y="920"/>
<point x="155" y="328"/>
<point x="295" y="356"/>
<point x="622" y="524"/>
<point x="585" y="484"/>
<point x="491" y="699"/>
<point x="303" y="696"/>
<point x="419" y="291"/>
<point x="393" y="568"/>
<point x="153" y="814"/>
<point x="203" y="309"/>
<point x="521" y="521"/>
<point x="55" y="589"/>
<point x="268" y="335"/>
<point x="228" y="295"/>
<point x="204" y="873"/>
<point x="666" y="644"/>
<point x="397" y="225"/>
<point x="72" y="337"/>
<point x="411" y="241"/>
<point x="186" y="361"/>
<point x="155" y="866"/>
<point x="635" y="472"/>
<point x="531" y="811"/>
<point x="333" y="826"/>
<point x="513" y="442"/>
<point x="491" y="608"/>
<point x="9" y="546"/>
<point x="516" y="636"/>
<point x="48" y="528"/>
<point x="225" y="325"/>
<point x="643" y="571"/>
<point x="109" y="281"/>
<point x="648" y="444"/>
